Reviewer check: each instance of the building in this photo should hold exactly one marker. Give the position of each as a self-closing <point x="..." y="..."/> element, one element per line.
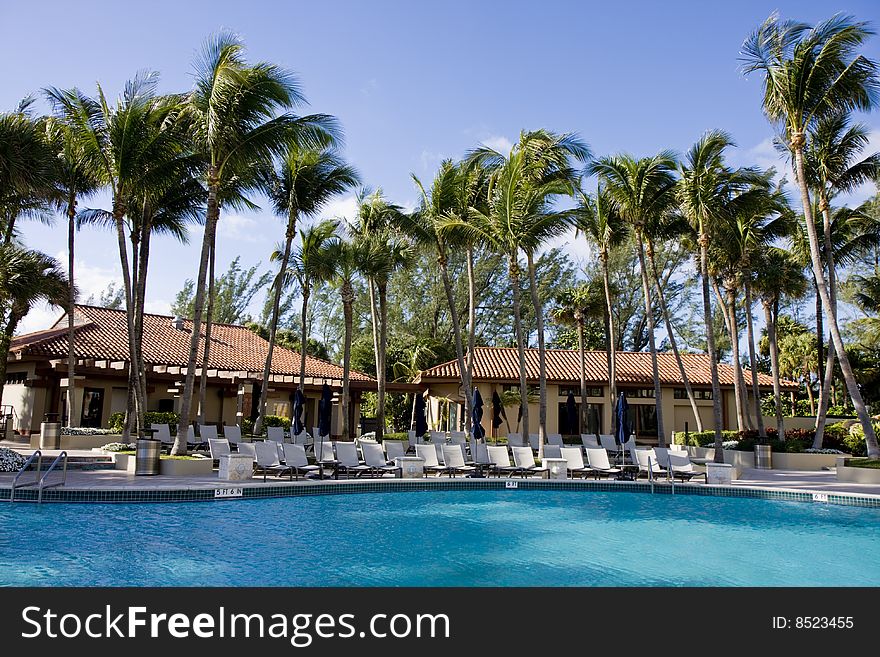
<point x="36" y="381"/>
<point x="496" y="369"/>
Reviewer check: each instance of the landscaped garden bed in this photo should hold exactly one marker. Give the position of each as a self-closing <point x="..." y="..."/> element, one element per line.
<point x="859" y="471"/>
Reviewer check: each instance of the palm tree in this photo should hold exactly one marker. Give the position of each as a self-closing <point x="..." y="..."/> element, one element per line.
<point x="26" y="162"/>
<point x="389" y="252"/>
<point x="232" y="113"/>
<point x="76" y="178"/>
<point x="574" y="306"/>
<point x="643" y="190"/>
<point x="312" y="265"/>
<point x="26" y="278"/>
<point x="305" y="181"/>
<point x="833" y="166"/>
<point x="810" y="74"/>
<point x="599" y="220"/>
<point x="777" y="275"/>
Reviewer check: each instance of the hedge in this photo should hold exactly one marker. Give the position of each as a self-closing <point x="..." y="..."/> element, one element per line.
<point x="117" y="420"/>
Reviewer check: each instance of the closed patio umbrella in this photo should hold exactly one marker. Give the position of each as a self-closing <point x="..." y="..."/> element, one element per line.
<point x="421" y="420"/>
<point x="621" y="413"/>
<point x="299" y="401"/>
<point x="325" y="410"/>
<point x="477" y="416"/>
<point x="497" y="413"/>
<point x="571" y="414"/>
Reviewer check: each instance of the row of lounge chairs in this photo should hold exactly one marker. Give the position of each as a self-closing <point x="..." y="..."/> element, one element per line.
<point x="231" y="433"/>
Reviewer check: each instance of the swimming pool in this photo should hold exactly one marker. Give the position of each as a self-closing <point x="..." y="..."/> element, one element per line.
<point x="443" y="538"/>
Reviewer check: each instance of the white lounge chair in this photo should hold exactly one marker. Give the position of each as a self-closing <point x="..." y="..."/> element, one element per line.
<point x="275" y="433"/>
<point x="647" y="462"/>
<point x="662" y="454"/>
<point x="457" y="437"/>
<point x="428" y="454"/>
<point x="680" y="466"/>
<point x="248" y="449"/>
<point x="574" y="457"/>
<point x="324" y="452"/>
<point x="555" y="439"/>
<point x="533" y="440"/>
<point x="608" y="443"/>
<point x="278" y="449"/>
<point x="524" y="462"/>
<point x="437" y="437"/>
<point x="480" y="457"/>
<point x="553" y="452"/>
<point x="347" y="461"/>
<point x="597" y="459"/>
<point x="268" y="461"/>
<point x="232" y="433"/>
<point x="394" y="449"/>
<point x="163" y="434"/>
<point x="515" y="440"/>
<point x="499" y="458"/>
<point x="453" y="461"/>
<point x="590" y="440"/>
<point x="374" y="458"/>
<point x="302" y="439"/>
<point x="218" y="447"/>
<point x="414" y="439"/>
<point x="295" y="457"/>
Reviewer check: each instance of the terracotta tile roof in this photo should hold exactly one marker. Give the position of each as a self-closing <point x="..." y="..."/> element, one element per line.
<point x="502" y="364"/>
<point x="102" y="334"/>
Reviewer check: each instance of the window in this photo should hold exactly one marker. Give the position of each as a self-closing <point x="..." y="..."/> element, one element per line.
<point x="594" y="420"/>
<point x="576" y="391"/>
<point x="643" y="419"/>
<point x="640" y="393"/>
<point x="681" y="393"/>
<point x="93" y="407"/>
<point x="16" y="377"/>
<point x="508" y="387"/>
<point x="166" y="406"/>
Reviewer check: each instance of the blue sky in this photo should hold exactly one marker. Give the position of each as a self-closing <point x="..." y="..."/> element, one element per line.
<point x="414" y="82"/>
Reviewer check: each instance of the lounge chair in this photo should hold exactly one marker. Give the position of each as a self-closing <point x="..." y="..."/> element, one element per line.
<point x="295" y="457"/>
<point x="524" y="462"/>
<point x="553" y="452"/>
<point x="608" y="443"/>
<point x="647" y="462"/>
<point x="347" y="461"/>
<point x="662" y="454"/>
<point x="268" y="461"/>
<point x="302" y="439"/>
<point x="232" y="433"/>
<point x="275" y="433"/>
<point x="374" y="458"/>
<point x="428" y="453"/>
<point x="499" y="458"/>
<point x="163" y="434"/>
<point x="515" y="440"/>
<point x="533" y="440"/>
<point x="680" y="466"/>
<point x="248" y="449"/>
<point x="458" y="437"/>
<point x="219" y="447"/>
<point x="555" y="439"/>
<point x="590" y="440"/>
<point x="437" y="437"/>
<point x="599" y="463"/>
<point x="414" y="439"/>
<point x="278" y="449"/>
<point x="394" y="449"/>
<point x="453" y="460"/>
<point x="574" y="457"/>
<point x="480" y="458"/>
<point x="324" y="452"/>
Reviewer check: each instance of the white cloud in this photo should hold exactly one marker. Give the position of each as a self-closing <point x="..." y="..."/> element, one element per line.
<point x="498" y="143"/>
<point x="236" y="227"/>
<point x="866" y="191"/>
<point x="341" y="207"/>
<point x="158" y="307"/>
<point x="41" y="316"/>
<point x="369" y="87"/>
<point x="430" y="160"/>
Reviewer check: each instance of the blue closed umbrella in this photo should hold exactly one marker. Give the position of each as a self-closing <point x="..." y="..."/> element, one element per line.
<point x="477" y="416"/>
<point x="421" y="419"/>
<point x="571" y="414"/>
<point x="621" y="413"/>
<point x="299" y="401"/>
<point x="325" y="410"/>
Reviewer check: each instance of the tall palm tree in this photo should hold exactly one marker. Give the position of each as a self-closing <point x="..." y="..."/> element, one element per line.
<point x="644" y="189"/>
<point x="810" y="74"/>
<point x="834" y="165"/>
<point x="777" y="275"/>
<point x="76" y="178"/>
<point x="375" y="227"/>
<point x="575" y="306"/>
<point x="305" y="180"/>
<point x="235" y="126"/>
<point x="26" y="278"/>
<point x="599" y="220"/>
<point x="26" y="161"/>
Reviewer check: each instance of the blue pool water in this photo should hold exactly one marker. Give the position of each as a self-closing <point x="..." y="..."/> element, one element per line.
<point x="447" y="538"/>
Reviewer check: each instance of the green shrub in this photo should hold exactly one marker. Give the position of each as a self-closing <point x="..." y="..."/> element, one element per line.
<point x="854" y="442"/>
<point x="116" y="421"/>
<point x="247" y="426"/>
<point x="702" y="438"/>
<point x="396" y="436"/>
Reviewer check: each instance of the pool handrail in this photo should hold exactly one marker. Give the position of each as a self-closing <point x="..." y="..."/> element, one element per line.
<point x="38" y="454"/>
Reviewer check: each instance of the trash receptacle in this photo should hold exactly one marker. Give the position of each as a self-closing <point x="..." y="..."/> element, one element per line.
<point x="763" y="458"/>
<point x="146" y="459"/>
<point x="50" y="432"/>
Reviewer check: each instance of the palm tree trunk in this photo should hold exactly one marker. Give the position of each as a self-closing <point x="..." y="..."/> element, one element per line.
<point x="828" y="380"/>
<point x="380" y="378"/>
<point x="753" y="361"/>
<point x="273" y="324"/>
<point x="672" y="343"/>
<point x="611" y="345"/>
<point x="304" y="335"/>
<point x="463" y="368"/>
<point x="729" y="305"/>
<point x="206" y="352"/>
<point x="810" y="394"/>
<point x="820" y="336"/>
<point x="710" y="344"/>
<point x="652" y="345"/>
<point x="472" y="336"/>
<point x="211" y="218"/>
<point x="374" y="323"/>
<point x="513" y="273"/>
<point x="347" y="301"/>
<point x="858" y="402"/>
<point x="143" y="264"/>
<point x="774" y="366"/>
<point x="582" y="357"/>
<point x="542" y="356"/>
<point x="72" y="416"/>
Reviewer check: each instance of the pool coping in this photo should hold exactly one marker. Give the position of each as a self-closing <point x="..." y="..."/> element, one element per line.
<point x="230" y="491"/>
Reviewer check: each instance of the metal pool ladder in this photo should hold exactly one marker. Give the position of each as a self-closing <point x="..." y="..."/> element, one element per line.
<point x="40" y="481"/>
